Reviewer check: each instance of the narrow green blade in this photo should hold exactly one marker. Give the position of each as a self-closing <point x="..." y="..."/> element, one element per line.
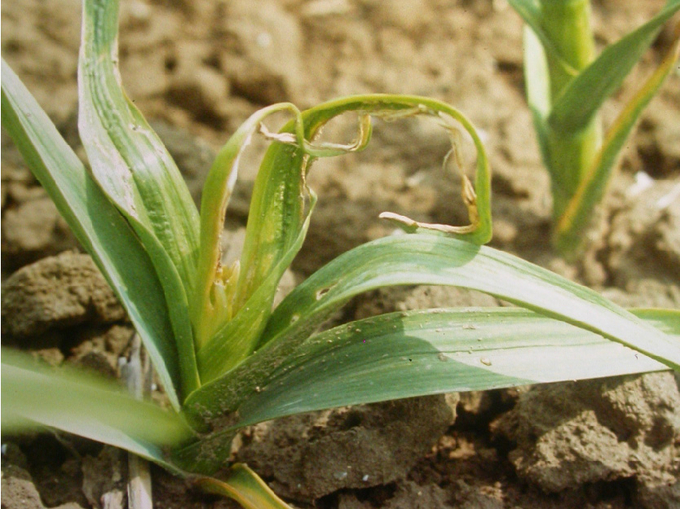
<point x="231" y="312"/>
<point x="279" y="211"/>
<point x="425" y="259"/>
<point x="537" y="83"/>
<point x="136" y="172"/>
<point x="275" y="217"/>
<point x="244" y="486"/>
<point x="594" y="183"/>
<point x="666" y="320"/>
<point x="530" y="12"/>
<point x="211" y="304"/>
<point x="415" y="353"/>
<point x="227" y="346"/>
<point x="277" y="207"/>
<point x="127" y="157"/>
<point x="576" y="107"/>
<point x="96" y="222"/>
<point x="87" y="406"/>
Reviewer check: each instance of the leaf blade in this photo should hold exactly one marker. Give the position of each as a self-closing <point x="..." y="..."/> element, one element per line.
<point x="87" y="406"/>
<point x="278" y="216"/>
<point x="421" y="259"/>
<point x="594" y="182"/>
<point x="128" y="160"/>
<point x="235" y="338"/>
<point x="134" y="169"/>
<point x="530" y="12"/>
<point x="585" y="94"/>
<point x="97" y="224"/>
<point x="425" y="259"/>
<point x="433" y="352"/>
<point x="211" y="303"/>
<point x="276" y="207"/>
<point x="244" y="486"/>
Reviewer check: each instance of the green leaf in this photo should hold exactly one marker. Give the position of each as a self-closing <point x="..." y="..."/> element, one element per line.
<point x="209" y="453"/>
<point x="278" y="214"/>
<point x="237" y="302"/>
<point x="275" y="217"/>
<point x="537" y="83"/>
<point x="127" y="157"/>
<point x="568" y="24"/>
<point x="584" y="95"/>
<point x="97" y="224"/>
<point x="594" y="182"/>
<point x="232" y="309"/>
<point x="415" y="353"/>
<point x="530" y="12"/>
<point x="87" y="406"/>
<point x="424" y="259"/>
<point x="244" y="486"/>
<point x="233" y="342"/>
<point x="666" y="320"/>
<point x="211" y="305"/>
<point x="136" y="172"/>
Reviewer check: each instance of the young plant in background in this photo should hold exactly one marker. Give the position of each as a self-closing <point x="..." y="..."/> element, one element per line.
<point x="225" y="357"/>
<point x="566" y="85"/>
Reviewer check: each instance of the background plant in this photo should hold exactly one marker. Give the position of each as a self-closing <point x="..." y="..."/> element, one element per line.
<point x="226" y="359"/>
<point x="566" y="86"/>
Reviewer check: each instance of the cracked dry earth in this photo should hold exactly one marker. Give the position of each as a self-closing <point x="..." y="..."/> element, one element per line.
<point x="197" y="69"/>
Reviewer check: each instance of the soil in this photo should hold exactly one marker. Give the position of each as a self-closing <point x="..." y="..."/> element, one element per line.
<point x="197" y="69"/>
